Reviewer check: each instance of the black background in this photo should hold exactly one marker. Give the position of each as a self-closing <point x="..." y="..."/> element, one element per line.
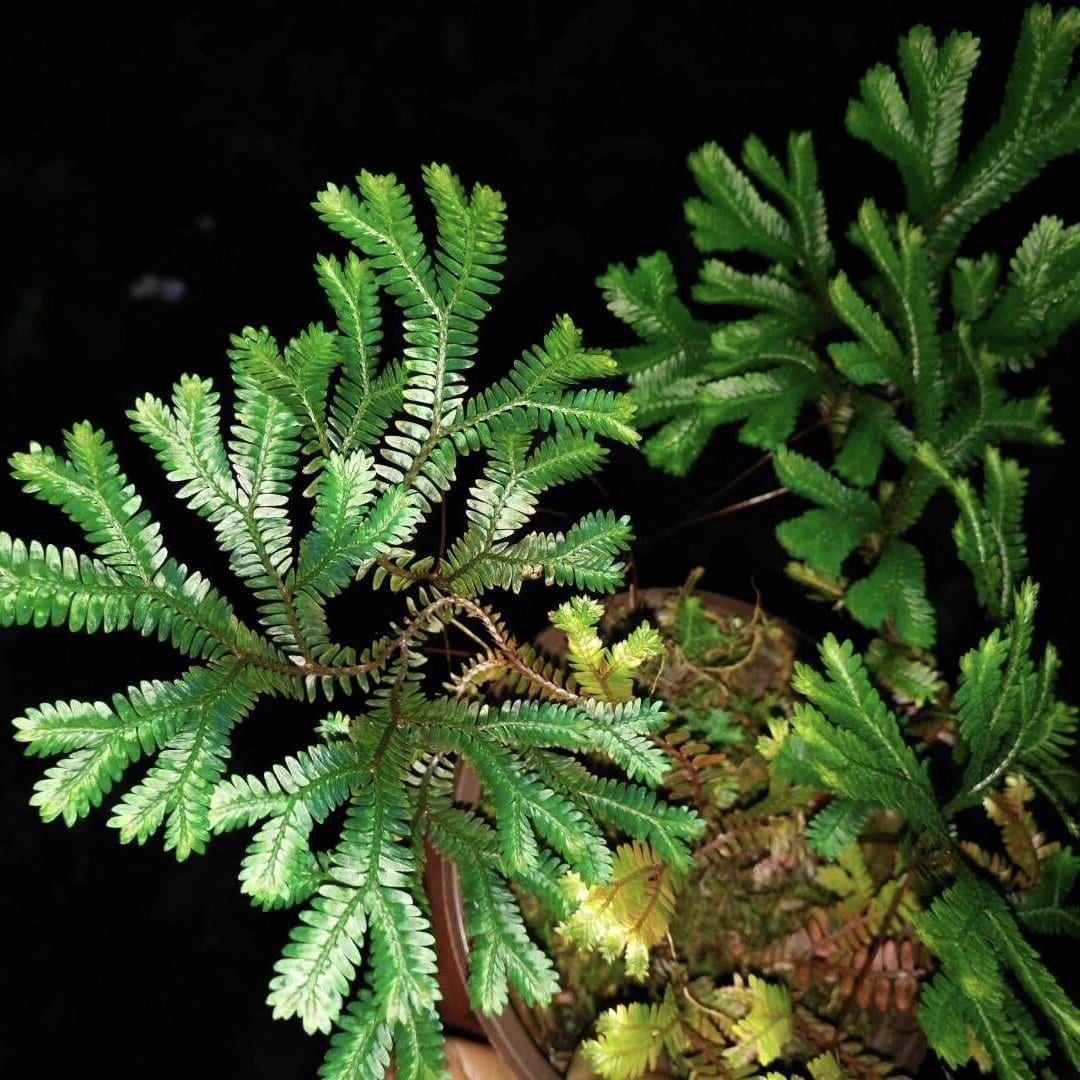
<point x="189" y="148"/>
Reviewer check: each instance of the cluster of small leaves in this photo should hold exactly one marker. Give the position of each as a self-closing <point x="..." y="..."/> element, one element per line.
<point x="904" y="360"/>
<point x="628" y="914"/>
<point x="380" y="439"/>
<point x="824" y="966"/>
<point x="868" y="944"/>
<point x="1011" y="734"/>
<point x="832" y="945"/>
<point x="755" y="1018"/>
<point x="730" y="1031"/>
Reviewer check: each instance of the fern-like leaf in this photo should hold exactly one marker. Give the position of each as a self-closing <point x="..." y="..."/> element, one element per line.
<point x="630" y="1038"/>
<point x="854" y="745"/>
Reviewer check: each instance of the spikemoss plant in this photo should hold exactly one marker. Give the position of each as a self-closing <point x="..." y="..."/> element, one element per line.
<point x="904" y="358"/>
<point x="903" y="352"/>
<point x="378" y="441"/>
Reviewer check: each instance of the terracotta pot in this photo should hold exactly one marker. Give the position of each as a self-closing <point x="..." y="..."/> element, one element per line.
<point x="507" y="1032"/>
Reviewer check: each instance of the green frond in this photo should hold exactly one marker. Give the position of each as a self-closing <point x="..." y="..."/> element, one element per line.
<point x="470" y="234"/>
<point x="759" y="341"/>
<point x="720" y="283"/>
<point x="439" y="343"/>
<point x="696" y="630"/>
<point x="769" y="402"/>
<point x="836" y="826"/>
<point x="366" y="871"/>
<point x="970" y="985"/>
<point x="894" y="594"/>
<point x="544" y="881"/>
<point x="825" y="1067"/>
<point x="296" y="795"/>
<point x="585" y="556"/>
<point x="248" y="502"/>
<point x="321" y="958"/>
<point x="767" y="1027"/>
<point x="1040" y="985"/>
<point x="874" y="429"/>
<point x="646" y="299"/>
<point x="186" y="436"/>
<point x="802" y="196"/>
<point x="561" y="459"/>
<point x="89" y="488"/>
<point x="527" y="807"/>
<point x="1042" y="298"/>
<point x="365" y="396"/>
<point x="677" y="445"/>
<point x="504" y="499"/>
<point x="944" y="1020"/>
<point x="501" y="950"/>
<point x="419" y="1043"/>
<point x="1047" y="909"/>
<point x="1038" y="122"/>
<point x="825" y="536"/>
<point x="537" y="390"/>
<point x="853" y="743"/>
<point x="1008" y="715"/>
<point x="904" y="265"/>
<point x="297" y="377"/>
<point x="977" y="940"/>
<point x="920" y="132"/>
<point x="263" y="453"/>
<point x="403" y="960"/>
<point x="49" y="586"/>
<point x="806" y="478"/>
<point x="178" y="787"/>
<point x="628" y="914"/>
<point x="821" y="538"/>
<point x="344" y="492"/>
<point x="989" y="532"/>
<point x="630" y="1038"/>
<point x="634" y="810"/>
<point x="878" y="355"/>
<point x="135" y="583"/>
<point x="622" y="734"/>
<point x="974" y="286"/>
<point x="908" y="674"/>
<point x="618" y="732"/>
<point x="382" y="225"/>
<point x="360" y="1048"/>
<point x="186" y="721"/>
<point x="733" y="216"/>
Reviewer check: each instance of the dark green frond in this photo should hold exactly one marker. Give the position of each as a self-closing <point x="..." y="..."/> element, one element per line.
<point x="989" y="532"/>
<point x="919" y="132"/>
<point x="972" y="931"/>
<point x="853" y="743"/>
<point x="1053" y="907"/>
<point x="1039" y="121"/>
<point x="733" y="216"/>
<point x="893" y="594"/>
